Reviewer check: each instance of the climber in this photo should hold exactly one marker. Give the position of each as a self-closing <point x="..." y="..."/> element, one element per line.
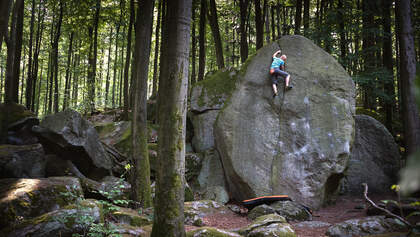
<point x="276" y="70"/>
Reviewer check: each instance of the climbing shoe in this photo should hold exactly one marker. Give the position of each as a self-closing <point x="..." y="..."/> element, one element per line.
<point x="289" y="87"/>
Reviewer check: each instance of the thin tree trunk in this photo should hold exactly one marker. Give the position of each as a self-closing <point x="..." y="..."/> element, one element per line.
<point x="157" y="45"/>
<point x="343" y="40"/>
<point x="93" y="35"/>
<point x="259" y="24"/>
<point x="214" y="25"/>
<point x="388" y="64"/>
<point x="55" y="56"/>
<point x="140" y="178"/>
<point x="243" y="5"/>
<point x="298" y="17"/>
<point x="128" y="61"/>
<point x="75" y="93"/>
<point x="5" y="6"/>
<point x="193" y="45"/>
<point x="408" y="77"/>
<point x="114" y="83"/>
<point x="368" y="52"/>
<point x="169" y="208"/>
<point x="306" y="6"/>
<point x="267" y="21"/>
<point x="14" y="48"/>
<point x="67" y="83"/>
<point x="39" y="32"/>
<point x="108" y="67"/>
<point x="29" y="81"/>
<point x="273" y="25"/>
<point x="202" y="41"/>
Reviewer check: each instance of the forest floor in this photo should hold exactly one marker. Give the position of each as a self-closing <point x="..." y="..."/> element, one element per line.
<point x="344" y="208"/>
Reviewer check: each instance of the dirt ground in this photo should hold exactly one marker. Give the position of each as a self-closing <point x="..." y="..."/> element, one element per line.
<point x="344" y="208"/>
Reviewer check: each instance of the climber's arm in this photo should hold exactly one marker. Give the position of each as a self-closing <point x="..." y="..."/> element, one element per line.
<point x="278" y="51"/>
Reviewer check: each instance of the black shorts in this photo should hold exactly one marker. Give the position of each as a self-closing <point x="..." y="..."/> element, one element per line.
<point x="276" y="73"/>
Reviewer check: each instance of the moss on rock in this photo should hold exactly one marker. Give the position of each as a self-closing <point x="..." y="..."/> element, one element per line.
<point x="210" y="232"/>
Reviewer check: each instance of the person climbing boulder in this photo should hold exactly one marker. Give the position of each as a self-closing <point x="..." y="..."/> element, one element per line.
<point x="277" y="70"/>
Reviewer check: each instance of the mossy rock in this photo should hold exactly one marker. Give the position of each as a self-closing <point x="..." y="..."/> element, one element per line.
<point x="10" y="113"/>
<point x="212" y="92"/>
<point x="263" y="221"/>
<point x="260" y="210"/>
<point x="210" y="232"/>
<point x="128" y="231"/>
<point x="131" y="217"/>
<point x="292" y="211"/>
<point x="273" y="230"/>
<point x="71" y="219"/>
<point x="26" y="198"/>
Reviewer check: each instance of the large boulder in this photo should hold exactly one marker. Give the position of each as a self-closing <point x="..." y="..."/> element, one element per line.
<point x="9" y="114"/>
<point x="26" y="161"/>
<point x="374" y="158"/>
<point x="71" y="137"/>
<point x="26" y="198"/>
<point x="296" y="144"/>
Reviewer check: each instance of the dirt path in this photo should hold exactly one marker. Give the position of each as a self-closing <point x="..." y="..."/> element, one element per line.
<point x="344" y="208"/>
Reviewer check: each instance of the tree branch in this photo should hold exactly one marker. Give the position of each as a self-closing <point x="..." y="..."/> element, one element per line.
<point x="383" y="209"/>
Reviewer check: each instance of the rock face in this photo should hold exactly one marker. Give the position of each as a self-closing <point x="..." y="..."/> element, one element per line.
<point x="71" y="137"/>
<point x="26" y="161"/>
<point x="25" y="198"/>
<point x="374" y="158"/>
<point x="297" y="144"/>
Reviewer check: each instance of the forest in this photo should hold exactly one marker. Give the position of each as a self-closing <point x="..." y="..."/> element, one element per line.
<point x="142" y="59"/>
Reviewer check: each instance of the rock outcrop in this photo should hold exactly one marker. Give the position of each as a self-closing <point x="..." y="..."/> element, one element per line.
<point x="374" y="159"/>
<point x="297" y="144"/>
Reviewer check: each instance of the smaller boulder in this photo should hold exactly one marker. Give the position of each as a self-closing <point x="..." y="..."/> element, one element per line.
<point x="27" y="161"/>
<point x="131" y="217"/>
<point x="262" y="221"/>
<point x="26" y="198"/>
<point x="292" y="211"/>
<point x="195" y="211"/>
<point x="20" y="132"/>
<point x="372" y="225"/>
<point x="273" y="230"/>
<point x="210" y="232"/>
<point x="260" y="210"/>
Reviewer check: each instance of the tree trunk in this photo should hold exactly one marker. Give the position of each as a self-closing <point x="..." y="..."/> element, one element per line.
<point x="388" y="64"/>
<point x="157" y="45"/>
<point x="75" y="93"/>
<point x="140" y="179"/>
<point x="93" y="35"/>
<point x="55" y="57"/>
<point x="273" y="25"/>
<point x="343" y="40"/>
<point x="408" y="77"/>
<point x="107" y="73"/>
<point x="202" y="41"/>
<point x="214" y="25"/>
<point x="114" y="81"/>
<point x="39" y="32"/>
<point x="128" y="61"/>
<point x="193" y="44"/>
<point x="306" y="6"/>
<point x="169" y="209"/>
<point x="5" y="6"/>
<point x="67" y="83"/>
<point x="243" y="5"/>
<point x="368" y="52"/>
<point x="29" y="80"/>
<point x="267" y="21"/>
<point x="259" y="24"/>
<point x="298" y="17"/>
<point x="14" y="48"/>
